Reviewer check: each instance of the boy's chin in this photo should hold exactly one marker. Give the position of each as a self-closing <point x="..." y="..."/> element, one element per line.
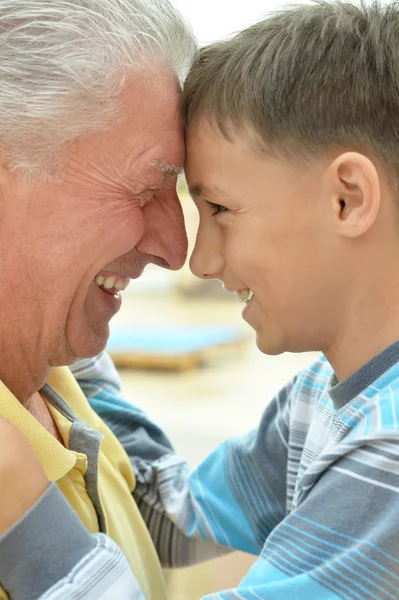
<point x="269" y="345"/>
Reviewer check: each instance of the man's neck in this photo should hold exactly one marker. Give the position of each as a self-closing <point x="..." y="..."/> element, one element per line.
<point x="40" y="411"/>
<point x="21" y="380"/>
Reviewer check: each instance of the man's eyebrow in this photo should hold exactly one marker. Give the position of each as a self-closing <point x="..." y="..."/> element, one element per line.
<point x="166" y="168"/>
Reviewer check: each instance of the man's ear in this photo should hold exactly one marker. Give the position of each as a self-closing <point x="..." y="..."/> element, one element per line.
<point x="356" y="193"/>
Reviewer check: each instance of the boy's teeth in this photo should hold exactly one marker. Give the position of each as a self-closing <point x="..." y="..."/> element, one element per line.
<point x="244" y="295"/>
<point x="99" y="279"/>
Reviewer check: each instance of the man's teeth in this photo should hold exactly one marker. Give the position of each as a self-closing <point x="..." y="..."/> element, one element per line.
<point x="110" y="282"/>
<point x="244" y="295"/>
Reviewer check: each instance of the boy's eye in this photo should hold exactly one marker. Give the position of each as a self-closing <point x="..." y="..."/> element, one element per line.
<point x="217" y="208"/>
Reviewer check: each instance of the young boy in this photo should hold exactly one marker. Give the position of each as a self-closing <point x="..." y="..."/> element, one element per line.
<point x="293" y="162"/>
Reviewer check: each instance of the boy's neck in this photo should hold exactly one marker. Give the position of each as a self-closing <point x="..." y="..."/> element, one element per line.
<point x="370" y="325"/>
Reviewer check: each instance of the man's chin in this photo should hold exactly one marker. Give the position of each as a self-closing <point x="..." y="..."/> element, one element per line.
<point x="77" y="351"/>
<point x="92" y="345"/>
<point x="82" y="341"/>
<point x="89" y="333"/>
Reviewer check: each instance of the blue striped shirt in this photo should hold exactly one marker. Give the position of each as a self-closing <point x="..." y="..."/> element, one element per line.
<point x="312" y="492"/>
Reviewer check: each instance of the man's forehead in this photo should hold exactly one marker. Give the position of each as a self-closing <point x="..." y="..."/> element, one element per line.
<point x="168" y="169"/>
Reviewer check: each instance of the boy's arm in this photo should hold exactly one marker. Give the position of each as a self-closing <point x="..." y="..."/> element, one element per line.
<point x="190" y="517"/>
<point x="342" y="541"/>
<point x="50" y="555"/>
<point x="45" y="551"/>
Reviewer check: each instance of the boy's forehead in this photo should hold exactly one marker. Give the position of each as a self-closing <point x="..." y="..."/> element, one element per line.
<point x="206" y="137"/>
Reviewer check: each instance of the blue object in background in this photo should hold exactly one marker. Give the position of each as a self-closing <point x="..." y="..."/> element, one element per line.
<point x="172" y="340"/>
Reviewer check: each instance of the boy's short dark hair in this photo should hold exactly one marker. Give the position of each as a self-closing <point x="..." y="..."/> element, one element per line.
<point x="307" y="79"/>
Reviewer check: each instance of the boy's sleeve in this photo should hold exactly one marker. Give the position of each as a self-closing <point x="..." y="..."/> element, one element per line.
<point x="339" y="543"/>
<point x="49" y="555"/>
<point x="233" y="500"/>
<point x="342" y="541"/>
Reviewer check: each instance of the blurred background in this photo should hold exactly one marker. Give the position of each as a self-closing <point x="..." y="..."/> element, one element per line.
<point x="185" y="355"/>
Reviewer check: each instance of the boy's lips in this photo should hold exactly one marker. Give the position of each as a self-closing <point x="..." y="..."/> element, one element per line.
<point x="248" y="305"/>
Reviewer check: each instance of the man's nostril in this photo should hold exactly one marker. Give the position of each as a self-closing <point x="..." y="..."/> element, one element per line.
<point x="161" y="262"/>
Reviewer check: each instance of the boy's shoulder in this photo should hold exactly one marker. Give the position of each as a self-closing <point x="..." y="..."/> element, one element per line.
<point x="374" y="408"/>
<point x="379" y="403"/>
<point x="319" y="376"/>
<point x="315" y="378"/>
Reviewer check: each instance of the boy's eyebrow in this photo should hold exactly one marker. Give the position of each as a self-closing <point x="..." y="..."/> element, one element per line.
<point x="200" y="189"/>
<point x="166" y="168"/>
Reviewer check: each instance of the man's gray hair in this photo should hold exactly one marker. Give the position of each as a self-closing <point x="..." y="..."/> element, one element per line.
<point x="306" y="80"/>
<point x="63" y="64"/>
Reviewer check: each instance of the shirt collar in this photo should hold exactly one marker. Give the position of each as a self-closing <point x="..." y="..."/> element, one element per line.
<point x="344" y="391"/>
<point x="56" y="460"/>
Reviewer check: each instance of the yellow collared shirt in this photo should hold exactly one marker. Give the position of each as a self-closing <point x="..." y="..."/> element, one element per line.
<point x="111" y="477"/>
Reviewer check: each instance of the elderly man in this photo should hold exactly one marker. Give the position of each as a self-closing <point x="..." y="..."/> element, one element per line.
<point x="91" y="144"/>
<point x="296" y="183"/>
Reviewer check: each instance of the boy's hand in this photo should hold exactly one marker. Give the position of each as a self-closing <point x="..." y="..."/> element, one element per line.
<point x="22" y="479"/>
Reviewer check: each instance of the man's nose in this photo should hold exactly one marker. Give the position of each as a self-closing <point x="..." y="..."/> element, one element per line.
<point x="165" y="239"/>
<point x="207" y="260"/>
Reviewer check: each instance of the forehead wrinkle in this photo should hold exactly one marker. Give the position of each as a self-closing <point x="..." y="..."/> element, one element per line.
<point x="111" y="181"/>
<point x="116" y="179"/>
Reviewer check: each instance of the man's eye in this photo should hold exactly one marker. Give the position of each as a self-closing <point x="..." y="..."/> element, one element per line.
<point x="217" y="208"/>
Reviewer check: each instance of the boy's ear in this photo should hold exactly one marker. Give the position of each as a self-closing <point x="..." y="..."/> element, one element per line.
<point x="356" y="193"/>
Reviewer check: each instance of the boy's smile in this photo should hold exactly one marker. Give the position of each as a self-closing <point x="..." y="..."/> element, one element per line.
<point x="306" y="237"/>
<point x="265" y="230"/>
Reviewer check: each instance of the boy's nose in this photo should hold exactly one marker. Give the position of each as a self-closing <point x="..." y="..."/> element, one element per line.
<point x="206" y="260"/>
